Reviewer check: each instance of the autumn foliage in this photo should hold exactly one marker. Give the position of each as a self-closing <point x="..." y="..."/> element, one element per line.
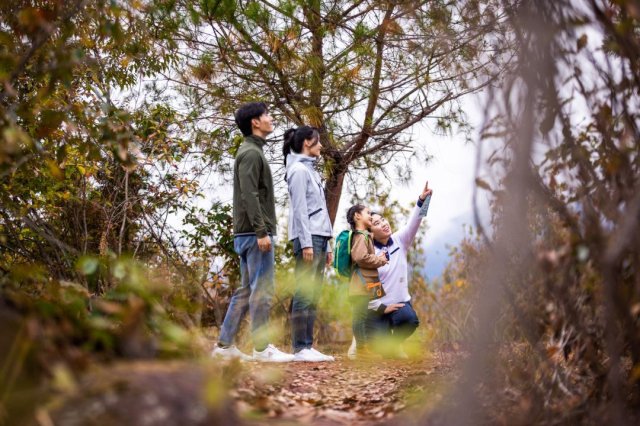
<point x="115" y="132"/>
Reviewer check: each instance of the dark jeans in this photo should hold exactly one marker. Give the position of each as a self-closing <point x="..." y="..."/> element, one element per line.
<point x="359" y="321"/>
<point x="397" y="325"/>
<point x="309" y="277"/>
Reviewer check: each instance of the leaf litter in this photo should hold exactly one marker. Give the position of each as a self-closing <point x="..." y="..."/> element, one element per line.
<point x="340" y="392"/>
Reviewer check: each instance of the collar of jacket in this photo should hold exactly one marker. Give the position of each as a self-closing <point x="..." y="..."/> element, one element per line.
<point x="300" y="158"/>
<point x="256" y="139"/>
<point x="380" y="245"/>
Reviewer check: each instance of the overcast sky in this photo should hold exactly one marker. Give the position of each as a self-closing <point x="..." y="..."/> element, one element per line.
<point x="450" y="173"/>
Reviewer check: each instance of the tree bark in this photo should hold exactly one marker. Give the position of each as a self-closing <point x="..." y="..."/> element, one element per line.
<point x="333" y="189"/>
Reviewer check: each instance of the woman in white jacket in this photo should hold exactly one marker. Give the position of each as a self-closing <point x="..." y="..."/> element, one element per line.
<point x="310" y="231"/>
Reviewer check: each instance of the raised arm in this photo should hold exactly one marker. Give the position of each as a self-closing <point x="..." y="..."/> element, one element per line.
<point x="407" y="233"/>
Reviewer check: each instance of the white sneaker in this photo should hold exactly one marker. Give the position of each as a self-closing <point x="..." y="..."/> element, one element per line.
<point x="321" y="355"/>
<point x="351" y="353"/>
<point x="229" y="353"/>
<point x="307" y="355"/>
<point x="272" y="354"/>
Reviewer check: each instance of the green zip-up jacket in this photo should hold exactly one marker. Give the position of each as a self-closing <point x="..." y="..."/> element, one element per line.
<point x="254" y="208"/>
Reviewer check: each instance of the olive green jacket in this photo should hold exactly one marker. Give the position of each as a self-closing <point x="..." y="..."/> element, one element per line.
<point x="254" y="208"/>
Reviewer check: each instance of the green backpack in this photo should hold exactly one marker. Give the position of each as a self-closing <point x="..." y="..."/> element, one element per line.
<point x="342" y="253"/>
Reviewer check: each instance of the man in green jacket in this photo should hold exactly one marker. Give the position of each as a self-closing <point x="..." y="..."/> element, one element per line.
<point x="254" y="226"/>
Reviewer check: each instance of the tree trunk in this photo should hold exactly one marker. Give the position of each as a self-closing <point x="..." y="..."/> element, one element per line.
<point x="333" y="190"/>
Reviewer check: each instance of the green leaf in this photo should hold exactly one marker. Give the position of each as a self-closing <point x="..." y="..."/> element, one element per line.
<point x="119" y="270"/>
<point x="88" y="265"/>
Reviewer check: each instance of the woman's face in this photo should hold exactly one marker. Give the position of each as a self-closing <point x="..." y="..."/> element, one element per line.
<point x="380" y="228"/>
<point x="313" y="150"/>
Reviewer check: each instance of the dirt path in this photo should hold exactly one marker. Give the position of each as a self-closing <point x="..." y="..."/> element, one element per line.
<point x="342" y="392"/>
<point x="207" y="392"/>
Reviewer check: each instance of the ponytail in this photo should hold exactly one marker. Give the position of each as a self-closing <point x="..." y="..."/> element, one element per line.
<point x="286" y="146"/>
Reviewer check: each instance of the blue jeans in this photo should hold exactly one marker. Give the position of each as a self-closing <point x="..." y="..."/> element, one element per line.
<point x="309" y="277"/>
<point x="399" y="324"/>
<point x="255" y="294"/>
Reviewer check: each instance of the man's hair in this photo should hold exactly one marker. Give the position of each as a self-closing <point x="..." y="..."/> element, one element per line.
<point x="248" y="112"/>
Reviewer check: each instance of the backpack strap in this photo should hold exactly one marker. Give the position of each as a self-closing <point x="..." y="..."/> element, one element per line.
<point x="366" y="235"/>
<point x="360" y="275"/>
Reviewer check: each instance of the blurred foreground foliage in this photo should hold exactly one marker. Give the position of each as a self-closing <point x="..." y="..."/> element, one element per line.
<point x="52" y="327"/>
<point x="556" y="307"/>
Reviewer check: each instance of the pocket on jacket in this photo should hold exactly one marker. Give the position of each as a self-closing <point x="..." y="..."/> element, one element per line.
<point x="315" y="212"/>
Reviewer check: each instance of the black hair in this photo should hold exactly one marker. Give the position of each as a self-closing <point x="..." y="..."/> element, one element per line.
<point x="357" y="208"/>
<point x="248" y="112"/>
<point x="294" y="139"/>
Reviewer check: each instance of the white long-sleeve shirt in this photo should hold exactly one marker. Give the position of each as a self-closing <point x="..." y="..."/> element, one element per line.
<point x="395" y="274"/>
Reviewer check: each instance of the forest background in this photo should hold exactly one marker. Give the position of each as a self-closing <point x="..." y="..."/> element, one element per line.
<point x="116" y="115"/>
